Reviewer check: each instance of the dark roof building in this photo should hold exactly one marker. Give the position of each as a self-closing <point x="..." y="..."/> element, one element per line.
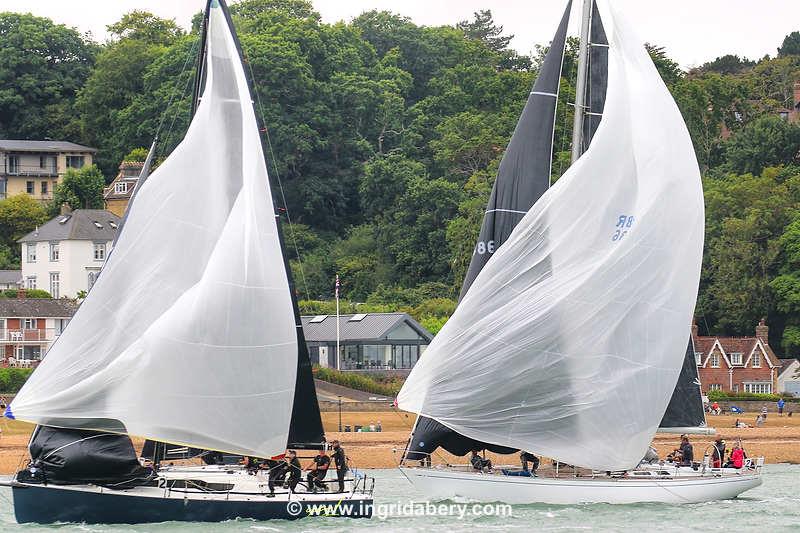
<point x="10" y="279"/>
<point x="81" y="225"/>
<point x="37" y="308"/>
<point x="11" y="145"/>
<point x="368" y="341"/>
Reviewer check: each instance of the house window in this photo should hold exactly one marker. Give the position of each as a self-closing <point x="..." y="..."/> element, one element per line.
<point x="698" y="358"/>
<point x="30" y="282"/>
<point x="99" y="251"/>
<point x="31" y="353"/>
<point x="74" y="161"/>
<point x="738" y="116"/>
<point x="55" y="284"/>
<point x="60" y="324"/>
<point x="121" y="187"/>
<point x="32" y="252"/>
<point x="715" y="360"/>
<point x="784" y="115"/>
<point x="736" y="358"/>
<point x="736" y="387"/>
<point x="715" y="386"/>
<point x="45" y="187"/>
<point x="755" y="362"/>
<point x="30" y="186"/>
<point x="13" y="164"/>
<point x="54" y="251"/>
<point x="29" y="323"/>
<point x="759" y="387"/>
<point x="91" y="277"/>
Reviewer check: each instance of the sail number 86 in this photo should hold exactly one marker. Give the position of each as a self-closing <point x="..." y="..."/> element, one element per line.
<point x="484" y="247"/>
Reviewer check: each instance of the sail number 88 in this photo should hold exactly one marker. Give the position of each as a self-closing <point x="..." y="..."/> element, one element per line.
<point x="484" y="247"/>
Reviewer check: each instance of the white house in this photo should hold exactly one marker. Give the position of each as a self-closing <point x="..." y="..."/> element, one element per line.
<point x="789" y="378"/>
<point x="64" y="256"/>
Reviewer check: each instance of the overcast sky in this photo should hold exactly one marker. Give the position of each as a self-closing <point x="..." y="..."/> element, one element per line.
<point x="693" y="31"/>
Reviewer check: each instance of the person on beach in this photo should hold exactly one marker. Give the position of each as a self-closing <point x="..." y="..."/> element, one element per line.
<point x="340" y="461"/>
<point x="318" y="469"/>
<point x="479" y="463"/>
<point x="715" y="408"/>
<point x="781" y="404"/>
<point x="764" y="412"/>
<point x="525" y="458"/>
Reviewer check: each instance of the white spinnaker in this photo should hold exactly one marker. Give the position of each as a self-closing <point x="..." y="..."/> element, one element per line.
<point x="570" y="341"/>
<point x="188" y="336"/>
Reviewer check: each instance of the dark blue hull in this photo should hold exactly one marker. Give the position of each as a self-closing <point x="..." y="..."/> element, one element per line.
<point x="46" y="505"/>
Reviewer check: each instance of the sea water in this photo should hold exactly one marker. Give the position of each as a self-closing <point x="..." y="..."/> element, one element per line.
<point x="772" y="507"/>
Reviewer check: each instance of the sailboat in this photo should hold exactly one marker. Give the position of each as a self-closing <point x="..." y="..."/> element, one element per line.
<point x="569" y="340"/>
<point x="191" y="337"/>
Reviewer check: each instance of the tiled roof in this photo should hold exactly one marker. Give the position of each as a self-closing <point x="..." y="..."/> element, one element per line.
<point x="10" y="276"/>
<point x="743" y="345"/>
<point x="43" y="146"/>
<point x="81" y="224"/>
<point x="37" y="307"/>
<point x="374" y="326"/>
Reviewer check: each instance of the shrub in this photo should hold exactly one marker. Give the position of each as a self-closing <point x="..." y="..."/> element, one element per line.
<point x="718" y="396"/>
<point x="385" y="386"/>
<point x="12" y="379"/>
<point x="29" y="293"/>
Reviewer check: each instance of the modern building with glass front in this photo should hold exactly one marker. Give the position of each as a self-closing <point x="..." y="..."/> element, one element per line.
<point x="367" y="341"/>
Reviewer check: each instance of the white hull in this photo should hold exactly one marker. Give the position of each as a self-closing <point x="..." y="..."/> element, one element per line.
<point x="445" y="483"/>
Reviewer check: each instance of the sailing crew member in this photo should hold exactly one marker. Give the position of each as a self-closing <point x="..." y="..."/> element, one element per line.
<point x="479" y="463"/>
<point x="277" y="470"/>
<point x="340" y="461"/>
<point x="526" y="457"/>
<point x="293" y="468"/>
<point x="687" y="451"/>
<point x="318" y="469"/>
<point x="719" y="453"/>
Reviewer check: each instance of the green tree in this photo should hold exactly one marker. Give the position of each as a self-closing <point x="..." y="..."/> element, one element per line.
<point x="669" y="70"/>
<point x="766" y="141"/>
<point x="19" y="215"/>
<point x="146" y="27"/>
<point x="42" y="67"/>
<point x="790" y="45"/>
<point x="80" y="189"/>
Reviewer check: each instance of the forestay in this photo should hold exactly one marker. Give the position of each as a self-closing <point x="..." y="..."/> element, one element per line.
<point x="188" y="336"/>
<point x="570" y="340"/>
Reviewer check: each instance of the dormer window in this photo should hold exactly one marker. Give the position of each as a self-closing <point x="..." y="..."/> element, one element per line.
<point x="698" y="358"/>
<point x="714" y="360"/>
<point x="120" y="187"/>
<point x="755" y="361"/>
<point x="736" y="358"/>
<point x="113" y="225"/>
<point x="98" y="225"/>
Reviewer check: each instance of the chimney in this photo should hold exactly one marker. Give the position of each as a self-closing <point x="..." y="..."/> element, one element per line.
<point x="21" y="293"/>
<point x="65" y="209"/>
<point x="694" y="327"/>
<point x="796" y="94"/>
<point x="762" y="330"/>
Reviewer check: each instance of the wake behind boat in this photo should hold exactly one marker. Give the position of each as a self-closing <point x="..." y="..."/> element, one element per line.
<point x="191" y="338"/>
<point x="570" y="336"/>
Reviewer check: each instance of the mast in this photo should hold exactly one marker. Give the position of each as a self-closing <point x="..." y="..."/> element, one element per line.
<point x="201" y="60"/>
<point x="580" y="85"/>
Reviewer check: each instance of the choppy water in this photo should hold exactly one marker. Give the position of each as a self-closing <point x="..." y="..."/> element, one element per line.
<point x="773" y="507"/>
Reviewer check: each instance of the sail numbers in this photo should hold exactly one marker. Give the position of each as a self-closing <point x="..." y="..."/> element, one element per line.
<point x="484" y="247"/>
<point x="624" y="223"/>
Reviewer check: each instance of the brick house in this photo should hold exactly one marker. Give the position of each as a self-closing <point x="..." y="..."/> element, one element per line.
<point x="29" y="326"/>
<point x="737" y="364"/>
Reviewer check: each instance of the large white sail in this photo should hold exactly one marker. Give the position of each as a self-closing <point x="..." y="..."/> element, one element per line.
<point x="570" y="341"/>
<point x="188" y="336"/>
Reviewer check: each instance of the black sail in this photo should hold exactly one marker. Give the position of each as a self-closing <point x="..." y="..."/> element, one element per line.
<point x="523" y="176"/>
<point x="685" y="409"/>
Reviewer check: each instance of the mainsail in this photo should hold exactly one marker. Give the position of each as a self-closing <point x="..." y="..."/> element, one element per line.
<point x="580" y="363"/>
<point x="685" y="411"/>
<point x="189" y="336"/>
<point x="523" y="176"/>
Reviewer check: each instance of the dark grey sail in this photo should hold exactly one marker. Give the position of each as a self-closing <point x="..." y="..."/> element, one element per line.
<point x="598" y="78"/>
<point x="685" y="409"/>
<point x="523" y="176"/>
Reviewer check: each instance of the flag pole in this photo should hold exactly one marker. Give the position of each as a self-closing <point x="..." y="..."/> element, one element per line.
<point x="338" y="365"/>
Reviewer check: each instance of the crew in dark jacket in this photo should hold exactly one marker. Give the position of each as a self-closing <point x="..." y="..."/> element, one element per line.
<point x="293" y="468"/>
<point x="276" y="474"/>
<point x="479" y="463"/>
<point x="340" y="461"/>
<point x="525" y="458"/>
<point x="318" y="469"/>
